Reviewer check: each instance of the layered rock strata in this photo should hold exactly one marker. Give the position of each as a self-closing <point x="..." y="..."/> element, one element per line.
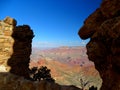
<point x="15" y="47"/>
<point x="15" y="50"/>
<point x="103" y="29"/>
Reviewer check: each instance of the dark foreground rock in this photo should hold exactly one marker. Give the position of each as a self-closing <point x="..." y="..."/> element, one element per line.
<point x="103" y="29"/>
<point x="15" y="50"/>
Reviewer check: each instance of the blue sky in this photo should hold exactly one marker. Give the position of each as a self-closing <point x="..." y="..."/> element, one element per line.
<point x="54" y="22"/>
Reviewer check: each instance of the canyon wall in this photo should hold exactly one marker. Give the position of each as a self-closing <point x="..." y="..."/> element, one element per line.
<point x="15" y="50"/>
<point x="15" y="47"/>
<point x="6" y="42"/>
<point x="103" y="29"/>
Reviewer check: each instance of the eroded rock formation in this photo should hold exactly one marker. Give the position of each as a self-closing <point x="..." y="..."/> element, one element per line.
<point x="15" y="47"/>
<point x="12" y="82"/>
<point x="103" y="29"/>
<point x="15" y="50"/>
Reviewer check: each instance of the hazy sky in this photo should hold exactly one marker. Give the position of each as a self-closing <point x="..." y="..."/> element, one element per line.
<point x="54" y="22"/>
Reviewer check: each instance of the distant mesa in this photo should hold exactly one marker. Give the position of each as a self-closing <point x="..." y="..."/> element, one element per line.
<point x="68" y="64"/>
<point x="15" y="50"/>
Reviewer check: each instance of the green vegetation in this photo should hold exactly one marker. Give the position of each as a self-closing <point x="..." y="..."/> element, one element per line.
<point x="42" y="73"/>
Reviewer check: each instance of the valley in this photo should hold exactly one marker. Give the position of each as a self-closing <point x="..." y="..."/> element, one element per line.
<point x="68" y="65"/>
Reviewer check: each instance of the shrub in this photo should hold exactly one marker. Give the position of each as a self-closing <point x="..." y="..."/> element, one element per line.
<point x="42" y="73"/>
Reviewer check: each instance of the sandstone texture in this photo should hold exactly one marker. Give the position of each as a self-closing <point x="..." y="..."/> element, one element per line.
<point x="103" y="29"/>
<point x="15" y="47"/>
<point x="15" y="50"/>
<point x="6" y="43"/>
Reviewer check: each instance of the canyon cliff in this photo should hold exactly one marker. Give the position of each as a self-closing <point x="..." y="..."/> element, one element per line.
<point x="103" y="29"/>
<point x="68" y="64"/>
<point x="15" y="50"/>
<point x="15" y="47"/>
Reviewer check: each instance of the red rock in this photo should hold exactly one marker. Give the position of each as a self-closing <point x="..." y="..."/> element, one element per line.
<point x="89" y="28"/>
<point x="110" y="8"/>
<point x="104" y="46"/>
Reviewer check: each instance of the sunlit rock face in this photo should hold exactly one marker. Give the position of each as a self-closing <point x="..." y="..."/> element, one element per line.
<point x="6" y="42"/>
<point x="15" y="50"/>
<point x="15" y="47"/>
<point x="103" y="29"/>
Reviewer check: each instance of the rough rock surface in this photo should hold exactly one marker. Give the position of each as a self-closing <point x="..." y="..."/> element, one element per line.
<point x="9" y="81"/>
<point x="103" y="29"/>
<point x="15" y="50"/>
<point x="15" y="47"/>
